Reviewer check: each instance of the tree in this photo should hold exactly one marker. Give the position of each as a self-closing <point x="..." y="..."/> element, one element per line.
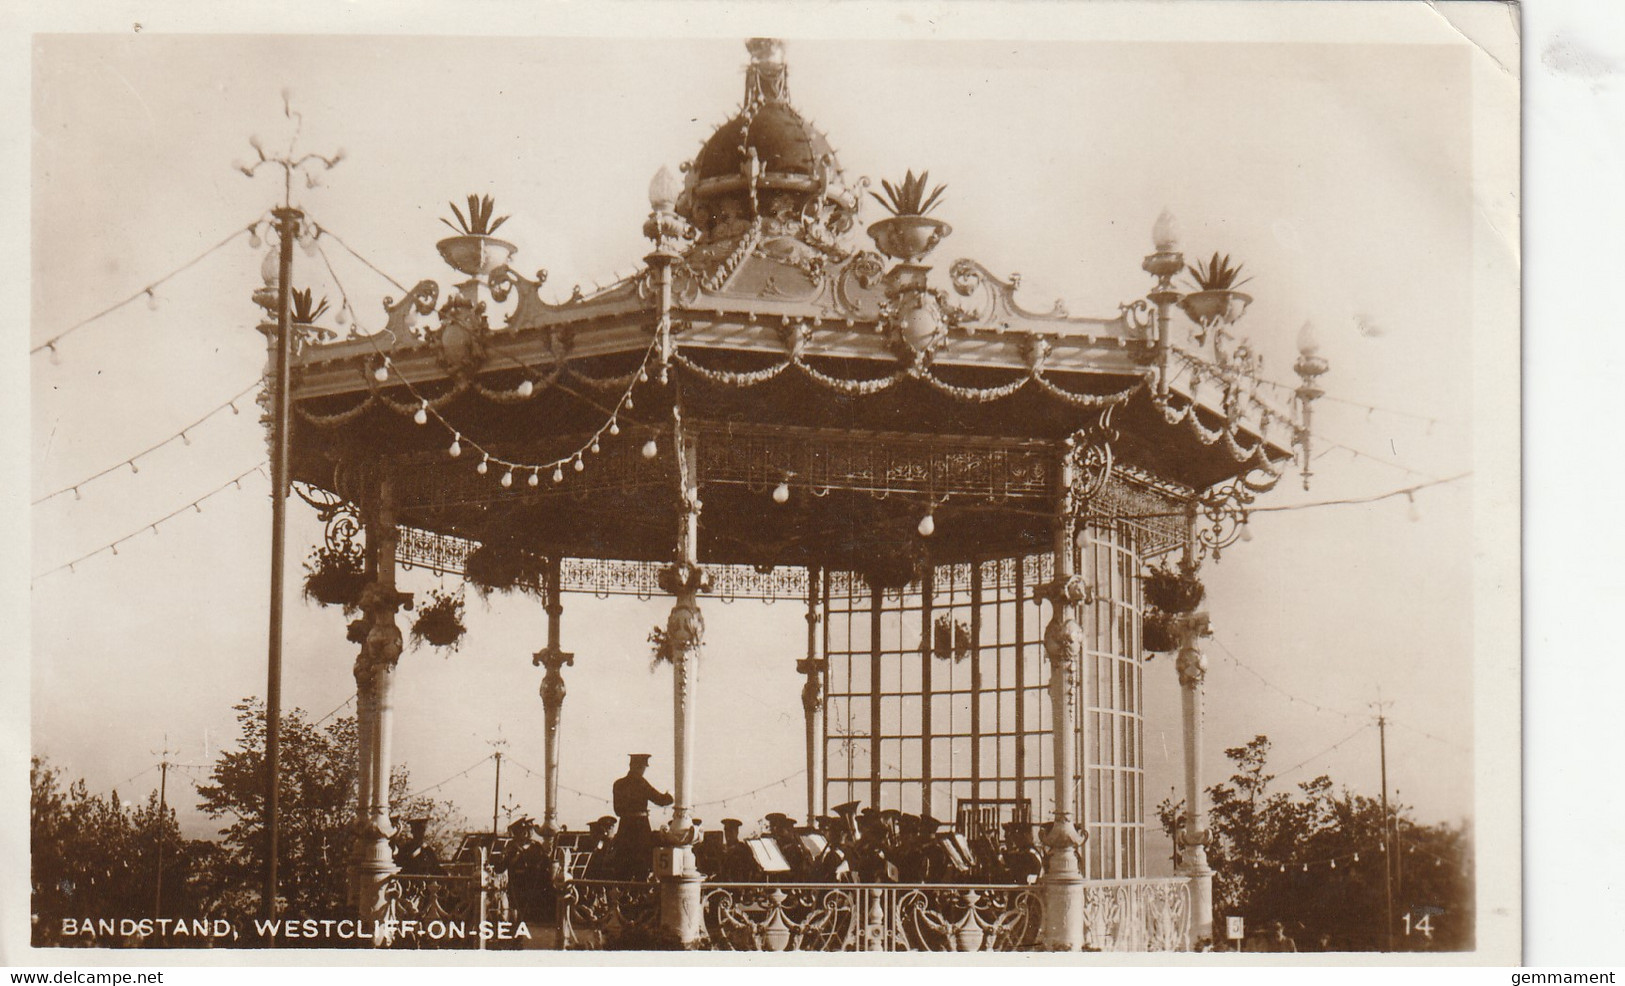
<point x="317" y="800"/>
<point x="1314" y="860"/>
<point x="93" y="857"/>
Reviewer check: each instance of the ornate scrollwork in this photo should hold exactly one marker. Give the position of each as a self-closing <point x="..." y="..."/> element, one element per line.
<point x="1224" y="511"/>
<point x="1089" y="453"/>
<point x="420" y="300"/>
<point x="529" y="307"/>
<point x="341" y="519"/>
<point x="999" y="296"/>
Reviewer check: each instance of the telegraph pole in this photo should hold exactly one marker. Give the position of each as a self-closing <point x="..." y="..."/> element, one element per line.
<point x="163" y="818"/>
<point x="1389" y="851"/>
<point x="496" y="788"/>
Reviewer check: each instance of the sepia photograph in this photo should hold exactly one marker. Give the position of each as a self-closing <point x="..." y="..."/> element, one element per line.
<point x="653" y="484"/>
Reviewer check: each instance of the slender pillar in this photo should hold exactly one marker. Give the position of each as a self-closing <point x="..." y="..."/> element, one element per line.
<point x="1191" y="667"/>
<point x="685" y="634"/>
<point x="375" y="673"/>
<point x="1063" y="643"/>
<point x="554" y="659"/>
<point x="813" y="666"/>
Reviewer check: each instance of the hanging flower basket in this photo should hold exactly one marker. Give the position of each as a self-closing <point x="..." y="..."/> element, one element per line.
<point x="1157" y="633"/>
<point x="335" y="577"/>
<point x="501" y="565"/>
<point x="659" y="648"/>
<point x="1173" y="590"/>
<point x="440" y="621"/>
<point x="950" y="639"/>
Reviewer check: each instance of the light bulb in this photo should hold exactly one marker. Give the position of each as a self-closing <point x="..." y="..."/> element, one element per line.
<point x="152" y="301"/>
<point x="643" y="375"/>
<point x="535" y="478"/>
<point x="781" y="493"/>
<point x="343" y="317"/>
<point x="421" y="416"/>
<point x="594" y="446"/>
<point x="614" y="427"/>
<point x="1165" y="233"/>
<point x="526" y="388"/>
<point x="1246" y="531"/>
<point x="54" y="356"/>
<point x="558" y="474"/>
<point x="507" y="479"/>
<point x="381" y="374"/>
<point x="928" y="526"/>
<point x="1412" y="514"/>
<point x="579" y="465"/>
<point x="650" y="449"/>
<point x="629" y="404"/>
<point x="254" y="240"/>
<point x="1308" y="340"/>
<point x="484" y="466"/>
<point x="134" y="468"/>
<point x="456" y="446"/>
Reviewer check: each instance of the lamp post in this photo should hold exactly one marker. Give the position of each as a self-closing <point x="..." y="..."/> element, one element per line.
<point x="289" y="225"/>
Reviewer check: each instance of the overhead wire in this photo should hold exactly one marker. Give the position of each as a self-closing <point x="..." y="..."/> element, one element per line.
<point x="196" y="505"/>
<point x="130" y="460"/>
<point x="50" y="344"/>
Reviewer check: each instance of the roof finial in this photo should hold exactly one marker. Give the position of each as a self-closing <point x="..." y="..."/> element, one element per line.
<point x="766" y="50"/>
<point x="767" y="80"/>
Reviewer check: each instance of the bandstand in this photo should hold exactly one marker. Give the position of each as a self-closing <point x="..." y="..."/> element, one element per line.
<point x="964" y="495"/>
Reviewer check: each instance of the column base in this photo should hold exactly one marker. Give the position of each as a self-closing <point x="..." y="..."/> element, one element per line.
<point x="374" y="865"/>
<point x="1200" y="878"/>
<point x="680" y="909"/>
<point x="1062" y="884"/>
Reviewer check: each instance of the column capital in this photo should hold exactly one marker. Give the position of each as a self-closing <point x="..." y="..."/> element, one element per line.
<point x="552" y="658"/>
<point x="1191" y="665"/>
<point x="1065" y="590"/>
<point x="684" y="578"/>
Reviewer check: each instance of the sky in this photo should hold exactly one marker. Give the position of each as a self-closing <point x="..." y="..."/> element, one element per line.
<point x="1339" y="173"/>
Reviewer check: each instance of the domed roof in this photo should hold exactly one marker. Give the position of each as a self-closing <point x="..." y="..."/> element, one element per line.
<point x="768" y="165"/>
<point x="785" y="144"/>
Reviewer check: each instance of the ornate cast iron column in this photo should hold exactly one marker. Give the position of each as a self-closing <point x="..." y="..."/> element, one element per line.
<point x="381" y="642"/>
<point x="812" y="702"/>
<point x="685" y="633"/>
<point x="1063" y="643"/>
<point x="553" y="658"/>
<point x="1191" y="667"/>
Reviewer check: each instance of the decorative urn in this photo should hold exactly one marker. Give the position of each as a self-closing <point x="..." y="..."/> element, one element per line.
<point x="476" y="255"/>
<point x="908" y="238"/>
<point x="1208" y="308"/>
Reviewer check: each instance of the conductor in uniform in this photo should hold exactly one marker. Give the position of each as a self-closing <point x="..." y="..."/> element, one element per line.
<point x="634" y="840"/>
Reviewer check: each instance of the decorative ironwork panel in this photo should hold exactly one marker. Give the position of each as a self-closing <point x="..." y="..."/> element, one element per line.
<point x="878" y="463"/>
<point x="599" y="914"/>
<point x="1137" y="915"/>
<point x="874" y="918"/>
<point x="1155" y="513"/>
<point x="443" y="911"/>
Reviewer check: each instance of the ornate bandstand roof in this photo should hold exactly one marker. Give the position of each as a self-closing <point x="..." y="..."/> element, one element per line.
<point x="792" y="350"/>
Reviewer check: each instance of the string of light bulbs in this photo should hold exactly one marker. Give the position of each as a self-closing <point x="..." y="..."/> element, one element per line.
<point x="510" y="469"/>
<point x="1238" y="662"/>
<point x="130" y="462"/>
<point x="1292" y="391"/>
<point x="149" y="292"/>
<point x="196" y="506"/>
<point x="754" y="791"/>
<point x="1277" y="688"/>
<point x="460" y="774"/>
